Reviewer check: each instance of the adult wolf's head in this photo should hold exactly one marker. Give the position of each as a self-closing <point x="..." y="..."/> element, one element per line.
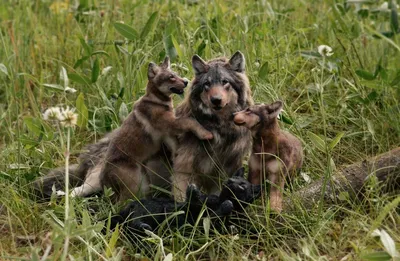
<point x="220" y="85"/>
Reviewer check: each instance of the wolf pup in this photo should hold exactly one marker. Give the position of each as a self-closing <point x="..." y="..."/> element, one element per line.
<point x="237" y="193"/>
<point x="220" y="88"/>
<point x="151" y="123"/>
<point x="276" y="152"/>
<point x="150" y="213"/>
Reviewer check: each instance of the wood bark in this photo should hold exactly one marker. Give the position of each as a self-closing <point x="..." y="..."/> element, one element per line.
<point x="352" y="179"/>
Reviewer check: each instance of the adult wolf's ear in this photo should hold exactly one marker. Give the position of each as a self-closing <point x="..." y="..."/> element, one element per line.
<point x="152" y="70"/>
<point x="274" y="109"/>
<point x="239" y="173"/>
<point x="237" y="62"/>
<point x="199" y="65"/>
<point x="167" y="63"/>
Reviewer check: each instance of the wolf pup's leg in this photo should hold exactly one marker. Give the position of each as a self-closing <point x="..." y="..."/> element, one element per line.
<point x="92" y="183"/>
<point x="189" y="124"/>
<point x="128" y="179"/>
<point x="276" y="192"/>
<point x="43" y="186"/>
<point x="183" y="173"/>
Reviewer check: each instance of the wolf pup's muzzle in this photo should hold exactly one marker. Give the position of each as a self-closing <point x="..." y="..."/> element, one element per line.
<point x="179" y="89"/>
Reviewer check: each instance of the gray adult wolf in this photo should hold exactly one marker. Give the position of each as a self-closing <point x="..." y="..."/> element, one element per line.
<point x="151" y="123"/>
<point x="219" y="89"/>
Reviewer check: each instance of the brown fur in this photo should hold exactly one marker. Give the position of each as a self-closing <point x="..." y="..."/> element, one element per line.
<point x="151" y="123"/>
<point x="275" y="152"/>
<point x="207" y="163"/>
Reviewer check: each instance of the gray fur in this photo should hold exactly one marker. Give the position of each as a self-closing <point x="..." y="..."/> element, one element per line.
<point x="212" y="160"/>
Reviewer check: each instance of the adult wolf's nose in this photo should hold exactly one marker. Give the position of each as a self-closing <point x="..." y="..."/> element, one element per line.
<point x="216" y="100"/>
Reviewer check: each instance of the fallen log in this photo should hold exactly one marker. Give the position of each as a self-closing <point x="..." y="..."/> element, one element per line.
<point x="352" y="179"/>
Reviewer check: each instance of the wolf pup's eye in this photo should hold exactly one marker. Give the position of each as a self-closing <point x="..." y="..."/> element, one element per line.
<point x="224" y="82"/>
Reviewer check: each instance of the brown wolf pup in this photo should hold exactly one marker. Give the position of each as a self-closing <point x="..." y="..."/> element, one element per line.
<point x="275" y="152"/>
<point x="151" y="123"/>
<point x="220" y="88"/>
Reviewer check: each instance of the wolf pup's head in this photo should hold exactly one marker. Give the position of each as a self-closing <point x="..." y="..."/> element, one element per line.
<point x="240" y="191"/>
<point x="220" y="85"/>
<point x="162" y="79"/>
<point x="258" y="117"/>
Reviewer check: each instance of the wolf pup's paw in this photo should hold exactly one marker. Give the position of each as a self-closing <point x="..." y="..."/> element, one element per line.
<point x="205" y="135"/>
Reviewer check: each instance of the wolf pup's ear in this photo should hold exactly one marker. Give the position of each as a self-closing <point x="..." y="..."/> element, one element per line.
<point x="152" y="70"/>
<point x="237" y="62"/>
<point x="239" y="173"/>
<point x="199" y="65"/>
<point x="256" y="189"/>
<point x="167" y="63"/>
<point x="274" y="109"/>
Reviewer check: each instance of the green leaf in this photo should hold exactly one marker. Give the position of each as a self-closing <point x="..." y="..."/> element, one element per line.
<point x="81" y="61"/>
<point x="123" y="50"/>
<point x="310" y="54"/>
<point x="336" y="140"/>
<point x="112" y="243"/>
<point x="123" y="111"/>
<point x="177" y="47"/>
<point x="286" y="120"/>
<point x="317" y="141"/>
<point x="339" y="18"/>
<point x="3" y="68"/>
<point x="95" y="70"/>
<point x="206" y="226"/>
<point x="149" y="26"/>
<point x="86" y="47"/>
<point x="101" y="52"/>
<point x="394" y="17"/>
<point x="54" y="86"/>
<point x="365" y="75"/>
<point x="79" y="79"/>
<point x="126" y="31"/>
<point x="396" y="80"/>
<point x="64" y="77"/>
<point x="263" y="72"/>
<point x="34" y="125"/>
<point x="376" y="256"/>
<point x="82" y="110"/>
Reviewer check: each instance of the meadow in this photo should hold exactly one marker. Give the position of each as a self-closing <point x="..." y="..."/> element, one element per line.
<point x="343" y="107"/>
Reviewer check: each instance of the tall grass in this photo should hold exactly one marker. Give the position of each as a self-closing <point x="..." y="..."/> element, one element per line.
<point x="344" y="108"/>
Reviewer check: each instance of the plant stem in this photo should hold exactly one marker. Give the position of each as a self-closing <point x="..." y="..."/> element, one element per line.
<point x="66" y="220"/>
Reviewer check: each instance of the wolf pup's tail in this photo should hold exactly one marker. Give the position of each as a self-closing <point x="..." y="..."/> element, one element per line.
<point x="43" y="186"/>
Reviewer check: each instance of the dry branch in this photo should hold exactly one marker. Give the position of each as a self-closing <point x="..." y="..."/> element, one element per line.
<point x="385" y="167"/>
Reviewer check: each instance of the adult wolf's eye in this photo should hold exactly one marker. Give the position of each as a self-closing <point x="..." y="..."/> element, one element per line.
<point x="171" y="76"/>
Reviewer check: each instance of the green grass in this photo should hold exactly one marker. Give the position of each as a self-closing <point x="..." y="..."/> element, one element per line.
<point x="353" y="93"/>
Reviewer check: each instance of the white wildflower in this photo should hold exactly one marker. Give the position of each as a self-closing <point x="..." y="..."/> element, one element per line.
<point x="69" y="90"/>
<point x="305" y="176"/>
<point x="315" y="69"/>
<point x="384" y="6"/>
<point x="325" y="50"/>
<point x="106" y="70"/>
<point x="52" y="114"/>
<point x="69" y="117"/>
